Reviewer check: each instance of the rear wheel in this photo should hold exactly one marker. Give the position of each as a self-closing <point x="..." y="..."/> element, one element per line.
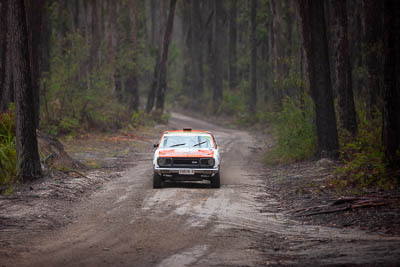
<point x="157" y="181"/>
<point x="215" y="181"/>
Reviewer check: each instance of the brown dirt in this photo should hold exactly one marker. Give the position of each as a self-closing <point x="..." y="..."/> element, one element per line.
<point x="114" y="217"/>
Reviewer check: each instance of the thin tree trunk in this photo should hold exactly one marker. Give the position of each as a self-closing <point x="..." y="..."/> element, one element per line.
<point x="187" y="48"/>
<point x="60" y="27"/>
<point x="372" y="20"/>
<point x="197" y="53"/>
<point x="232" y="43"/>
<point x="253" y="64"/>
<point x="111" y="37"/>
<point x="7" y="92"/>
<point x="217" y="57"/>
<point x="3" y="44"/>
<point x="277" y="46"/>
<point x="391" y="108"/>
<point x="26" y="141"/>
<point x="347" y="112"/>
<point x="95" y="43"/>
<point x="35" y="30"/>
<point x="355" y="33"/>
<point x="154" y="85"/>
<point x="163" y="75"/>
<point x="132" y="82"/>
<point x="153" y="22"/>
<point x="45" y="40"/>
<point x="313" y="34"/>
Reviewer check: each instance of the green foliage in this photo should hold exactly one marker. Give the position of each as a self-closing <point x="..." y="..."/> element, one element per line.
<point x="363" y="156"/>
<point x="74" y="100"/>
<point x="8" y="154"/>
<point x="140" y="118"/>
<point x="233" y="104"/>
<point x="294" y="131"/>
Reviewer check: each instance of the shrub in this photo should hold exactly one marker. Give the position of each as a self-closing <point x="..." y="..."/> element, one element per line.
<point x="363" y="156"/>
<point x="8" y="154"/>
<point x="294" y="131"/>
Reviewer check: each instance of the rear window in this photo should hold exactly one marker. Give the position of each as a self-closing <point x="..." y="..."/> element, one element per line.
<point x="187" y="141"/>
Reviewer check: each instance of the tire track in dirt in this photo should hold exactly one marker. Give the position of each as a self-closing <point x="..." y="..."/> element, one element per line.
<point x="127" y="223"/>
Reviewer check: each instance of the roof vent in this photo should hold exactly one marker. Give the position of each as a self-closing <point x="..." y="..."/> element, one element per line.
<point x="187" y="129"/>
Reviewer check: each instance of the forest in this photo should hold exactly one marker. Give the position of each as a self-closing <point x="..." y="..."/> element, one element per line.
<point x="323" y="76"/>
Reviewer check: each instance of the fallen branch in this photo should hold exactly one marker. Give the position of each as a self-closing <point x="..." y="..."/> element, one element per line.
<point x="340" y="201"/>
<point x="350" y="207"/>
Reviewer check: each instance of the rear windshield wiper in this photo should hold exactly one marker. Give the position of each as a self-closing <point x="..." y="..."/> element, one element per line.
<point x="201" y="143"/>
<point x="178" y="145"/>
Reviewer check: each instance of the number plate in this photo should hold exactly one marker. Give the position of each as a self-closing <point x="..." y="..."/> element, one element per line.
<point x="186" y="172"/>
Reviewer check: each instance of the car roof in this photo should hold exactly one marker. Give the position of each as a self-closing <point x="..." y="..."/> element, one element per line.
<point x="187" y="132"/>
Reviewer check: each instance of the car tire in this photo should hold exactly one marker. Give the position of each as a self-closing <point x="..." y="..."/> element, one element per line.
<point x="215" y="181"/>
<point x="157" y="181"/>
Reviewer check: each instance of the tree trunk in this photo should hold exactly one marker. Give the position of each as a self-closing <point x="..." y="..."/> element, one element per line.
<point x="217" y="79"/>
<point x="45" y="40"/>
<point x="163" y="75"/>
<point x="132" y="82"/>
<point x="347" y="112"/>
<point x="7" y="91"/>
<point x="232" y="43"/>
<point x="153" y="22"/>
<point x="253" y="65"/>
<point x="27" y="147"/>
<point x="355" y="43"/>
<point x="391" y="108"/>
<point x="154" y="85"/>
<point x="197" y="52"/>
<point x="3" y="45"/>
<point x="34" y="18"/>
<point x="277" y="46"/>
<point x="112" y="40"/>
<point x="60" y="26"/>
<point x="313" y="34"/>
<point x="187" y="48"/>
<point x="372" y="20"/>
<point x="95" y="43"/>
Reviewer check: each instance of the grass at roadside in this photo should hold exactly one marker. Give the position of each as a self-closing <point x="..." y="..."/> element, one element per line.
<point x="8" y="154"/>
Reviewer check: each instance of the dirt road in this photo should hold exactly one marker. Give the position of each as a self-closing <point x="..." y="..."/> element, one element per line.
<point x="127" y="223"/>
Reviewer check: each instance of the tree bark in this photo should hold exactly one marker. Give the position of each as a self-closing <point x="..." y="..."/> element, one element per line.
<point x="3" y="45"/>
<point x="112" y="34"/>
<point x="95" y="43"/>
<point x="217" y="79"/>
<point x="154" y="85"/>
<point x="187" y="48"/>
<point x="232" y="43"/>
<point x="313" y="34"/>
<point x="132" y="82"/>
<point x="45" y="40"/>
<point x="153" y="22"/>
<point x="27" y="147"/>
<point x="197" y="52"/>
<point x="342" y="70"/>
<point x="7" y="92"/>
<point x="277" y="46"/>
<point x="372" y="20"/>
<point x="163" y="75"/>
<point x="253" y="65"/>
<point x="34" y="17"/>
<point x="391" y="108"/>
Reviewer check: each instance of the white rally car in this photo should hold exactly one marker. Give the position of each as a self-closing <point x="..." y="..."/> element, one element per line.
<point x="186" y="155"/>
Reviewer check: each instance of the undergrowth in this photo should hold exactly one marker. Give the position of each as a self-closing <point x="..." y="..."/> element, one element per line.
<point x="363" y="156"/>
<point x="294" y="131"/>
<point x="8" y="154"/>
